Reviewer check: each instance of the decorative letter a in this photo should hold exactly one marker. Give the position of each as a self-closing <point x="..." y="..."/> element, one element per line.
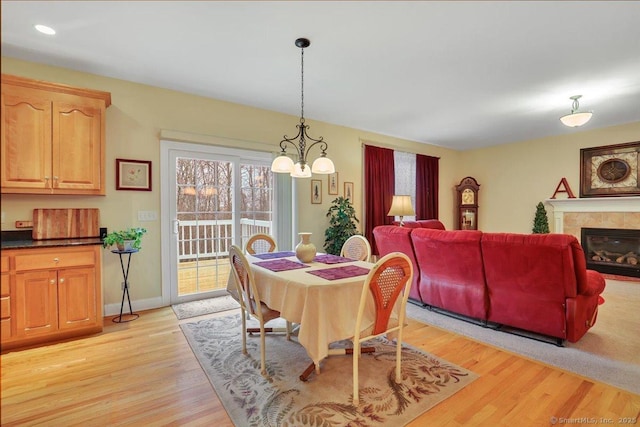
<point x="567" y="189"/>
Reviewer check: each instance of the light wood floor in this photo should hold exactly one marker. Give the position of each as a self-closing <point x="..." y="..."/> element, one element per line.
<point x="144" y="373"/>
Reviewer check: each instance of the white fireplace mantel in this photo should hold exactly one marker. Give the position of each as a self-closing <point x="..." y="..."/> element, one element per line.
<point x="595" y="204"/>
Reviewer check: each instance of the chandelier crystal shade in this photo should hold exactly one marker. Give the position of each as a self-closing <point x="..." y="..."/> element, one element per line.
<point x="576" y="118"/>
<point x="301" y="169"/>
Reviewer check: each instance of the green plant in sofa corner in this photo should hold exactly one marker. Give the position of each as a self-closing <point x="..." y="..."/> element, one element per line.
<point x="342" y="225"/>
<point x="540" y="222"/>
<point x="117" y="238"/>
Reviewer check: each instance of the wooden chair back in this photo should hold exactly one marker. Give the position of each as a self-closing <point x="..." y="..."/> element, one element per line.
<point x="260" y="243"/>
<point x="356" y="247"/>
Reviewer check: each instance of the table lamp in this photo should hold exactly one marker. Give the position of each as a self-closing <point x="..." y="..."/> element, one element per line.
<point x="401" y="206"/>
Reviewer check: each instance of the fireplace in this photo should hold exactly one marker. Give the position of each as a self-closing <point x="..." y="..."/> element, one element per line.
<point x="613" y="251"/>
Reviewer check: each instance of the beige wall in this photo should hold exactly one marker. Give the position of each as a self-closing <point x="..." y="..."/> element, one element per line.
<point x="134" y="121"/>
<point x="513" y="177"/>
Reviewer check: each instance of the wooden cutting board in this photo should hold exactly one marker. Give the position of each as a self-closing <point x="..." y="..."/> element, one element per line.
<point x="65" y="223"/>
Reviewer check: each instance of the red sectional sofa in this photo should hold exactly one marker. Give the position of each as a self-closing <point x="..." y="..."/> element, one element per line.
<point x="533" y="282"/>
<point x="423" y="223"/>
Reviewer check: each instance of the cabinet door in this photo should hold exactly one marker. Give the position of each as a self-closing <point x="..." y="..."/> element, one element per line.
<point x="6" y="332"/>
<point x="26" y="139"/>
<point x="36" y="303"/>
<point x="76" y="298"/>
<point x="77" y="146"/>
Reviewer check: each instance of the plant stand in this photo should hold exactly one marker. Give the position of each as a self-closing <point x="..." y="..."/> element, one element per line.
<point x="125" y="290"/>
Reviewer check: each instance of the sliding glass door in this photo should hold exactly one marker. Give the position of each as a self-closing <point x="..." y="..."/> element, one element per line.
<point x="217" y="197"/>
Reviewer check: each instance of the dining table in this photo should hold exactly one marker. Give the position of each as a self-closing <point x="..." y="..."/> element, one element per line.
<point x="321" y="296"/>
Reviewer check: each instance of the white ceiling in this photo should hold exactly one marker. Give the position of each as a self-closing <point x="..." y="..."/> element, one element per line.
<point x="455" y="74"/>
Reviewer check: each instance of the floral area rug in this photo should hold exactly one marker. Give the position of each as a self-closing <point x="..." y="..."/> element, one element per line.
<point x="325" y="399"/>
<point x="186" y="310"/>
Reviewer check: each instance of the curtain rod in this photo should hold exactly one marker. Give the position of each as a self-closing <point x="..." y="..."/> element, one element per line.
<point x="394" y="148"/>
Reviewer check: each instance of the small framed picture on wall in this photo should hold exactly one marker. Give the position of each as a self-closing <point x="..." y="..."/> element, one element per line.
<point x="316" y="191"/>
<point x="332" y="179"/>
<point x="348" y="191"/>
<point x="133" y="175"/>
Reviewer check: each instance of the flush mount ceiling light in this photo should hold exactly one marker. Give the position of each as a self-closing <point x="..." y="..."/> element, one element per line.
<point x="44" y="29"/>
<point x="576" y="118"/>
<point x="283" y="163"/>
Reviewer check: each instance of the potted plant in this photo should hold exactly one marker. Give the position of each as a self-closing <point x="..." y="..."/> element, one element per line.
<point x="540" y="222"/>
<point x="125" y="240"/>
<point x="342" y="225"/>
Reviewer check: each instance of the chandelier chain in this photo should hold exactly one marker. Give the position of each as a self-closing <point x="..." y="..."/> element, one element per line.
<point x="302" y="85"/>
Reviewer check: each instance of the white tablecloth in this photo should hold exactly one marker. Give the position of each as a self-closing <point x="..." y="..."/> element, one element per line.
<point x="325" y="309"/>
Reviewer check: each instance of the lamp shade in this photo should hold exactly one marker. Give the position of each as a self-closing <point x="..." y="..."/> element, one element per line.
<point x="298" y="172"/>
<point x="323" y="165"/>
<point x="282" y="164"/>
<point x="576" y="119"/>
<point x="401" y="206"/>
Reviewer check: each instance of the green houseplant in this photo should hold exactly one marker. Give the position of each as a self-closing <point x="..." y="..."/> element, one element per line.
<point x="128" y="239"/>
<point x="540" y="222"/>
<point x="342" y="225"/>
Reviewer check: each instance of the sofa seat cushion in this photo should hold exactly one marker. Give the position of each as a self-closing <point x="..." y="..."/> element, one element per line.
<point x="451" y="270"/>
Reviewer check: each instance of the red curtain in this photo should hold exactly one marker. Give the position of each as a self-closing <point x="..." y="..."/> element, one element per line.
<point x="379" y="185"/>
<point x="426" y="187"/>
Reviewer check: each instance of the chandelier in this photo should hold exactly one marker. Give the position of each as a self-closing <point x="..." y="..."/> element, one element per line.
<point x="283" y="163"/>
<point x="576" y="118"/>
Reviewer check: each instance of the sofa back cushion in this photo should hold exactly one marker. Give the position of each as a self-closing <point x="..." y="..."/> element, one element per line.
<point x="391" y="238"/>
<point x="423" y="223"/>
<point x="529" y="278"/>
<point x="451" y="270"/>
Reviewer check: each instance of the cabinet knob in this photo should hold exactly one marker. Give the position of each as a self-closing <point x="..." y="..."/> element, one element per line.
<point x="56" y="260"/>
<point x="52" y="281"/>
<point x="61" y="281"/>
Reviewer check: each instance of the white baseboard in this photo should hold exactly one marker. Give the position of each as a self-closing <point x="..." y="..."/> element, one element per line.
<point x="137" y="305"/>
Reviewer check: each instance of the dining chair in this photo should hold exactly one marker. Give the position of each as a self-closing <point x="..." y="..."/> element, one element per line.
<point x="250" y="304"/>
<point x="260" y="243"/>
<point x="356" y="247"/>
<point x="388" y="283"/>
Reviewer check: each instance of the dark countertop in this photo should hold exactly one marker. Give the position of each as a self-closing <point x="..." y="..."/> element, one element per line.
<point x="22" y="240"/>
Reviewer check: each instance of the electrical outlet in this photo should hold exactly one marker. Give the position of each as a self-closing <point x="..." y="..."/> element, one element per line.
<point x="147" y="216"/>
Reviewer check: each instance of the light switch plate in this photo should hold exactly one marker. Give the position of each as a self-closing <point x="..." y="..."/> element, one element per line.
<point x="147" y="216"/>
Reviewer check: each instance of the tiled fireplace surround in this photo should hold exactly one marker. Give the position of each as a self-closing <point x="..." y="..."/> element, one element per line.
<point x="570" y="215"/>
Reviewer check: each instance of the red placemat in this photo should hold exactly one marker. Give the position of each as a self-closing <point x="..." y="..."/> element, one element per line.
<point x="331" y="259"/>
<point x="340" y="272"/>
<point x="272" y="255"/>
<point x="280" y="265"/>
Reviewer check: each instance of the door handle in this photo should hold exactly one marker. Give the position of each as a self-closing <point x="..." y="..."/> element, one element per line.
<point x="176" y="226"/>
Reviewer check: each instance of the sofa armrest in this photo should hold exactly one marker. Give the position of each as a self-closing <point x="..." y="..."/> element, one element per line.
<point x="594" y="285"/>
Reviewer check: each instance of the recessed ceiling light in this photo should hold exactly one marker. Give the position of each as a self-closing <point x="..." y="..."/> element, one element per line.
<point x="45" y="30"/>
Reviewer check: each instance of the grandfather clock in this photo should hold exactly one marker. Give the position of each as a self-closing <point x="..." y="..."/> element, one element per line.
<point x="467" y="201"/>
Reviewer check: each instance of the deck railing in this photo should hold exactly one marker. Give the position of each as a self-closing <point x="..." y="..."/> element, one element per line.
<point x="212" y="239"/>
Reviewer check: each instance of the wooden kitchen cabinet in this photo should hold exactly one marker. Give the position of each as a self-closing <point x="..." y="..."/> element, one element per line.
<point x="5" y="299"/>
<point x="53" y="138"/>
<point x="55" y="294"/>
